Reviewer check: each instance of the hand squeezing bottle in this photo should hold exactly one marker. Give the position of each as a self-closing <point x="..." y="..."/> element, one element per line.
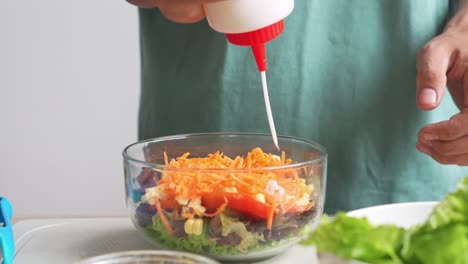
<point x="251" y="23"/>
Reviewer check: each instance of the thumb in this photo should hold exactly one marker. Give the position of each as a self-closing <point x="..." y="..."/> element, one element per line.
<point x="432" y="65"/>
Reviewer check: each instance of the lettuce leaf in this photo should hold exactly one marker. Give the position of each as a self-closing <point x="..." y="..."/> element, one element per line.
<point x="206" y="244"/>
<point x="448" y="244"/>
<point x="442" y="239"/>
<point x="198" y="244"/>
<point x="453" y="209"/>
<point x="234" y="226"/>
<point x="355" y="238"/>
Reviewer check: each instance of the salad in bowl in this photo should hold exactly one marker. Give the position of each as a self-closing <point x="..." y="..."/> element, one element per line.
<point x="229" y="196"/>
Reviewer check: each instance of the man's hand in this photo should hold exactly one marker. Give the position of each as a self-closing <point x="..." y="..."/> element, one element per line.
<point x="444" y="62"/>
<point x="180" y="11"/>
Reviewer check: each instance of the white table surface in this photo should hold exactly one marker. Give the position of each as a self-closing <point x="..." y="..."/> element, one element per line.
<point x="60" y="241"/>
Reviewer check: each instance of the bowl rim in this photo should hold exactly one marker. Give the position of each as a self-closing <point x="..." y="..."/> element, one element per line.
<point x="155" y="253"/>
<point x="315" y="145"/>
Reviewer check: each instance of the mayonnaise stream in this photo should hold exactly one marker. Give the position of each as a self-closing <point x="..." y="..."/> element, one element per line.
<point x="271" y="122"/>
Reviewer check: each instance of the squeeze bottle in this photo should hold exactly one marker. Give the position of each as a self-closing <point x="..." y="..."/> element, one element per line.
<point x="251" y="23"/>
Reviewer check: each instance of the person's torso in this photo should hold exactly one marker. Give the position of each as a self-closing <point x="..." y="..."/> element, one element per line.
<point x="342" y="74"/>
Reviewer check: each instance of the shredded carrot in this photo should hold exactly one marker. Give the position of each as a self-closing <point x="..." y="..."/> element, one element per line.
<point x="249" y="160"/>
<point x="194" y="183"/>
<point x="270" y="216"/>
<point x="162" y="216"/>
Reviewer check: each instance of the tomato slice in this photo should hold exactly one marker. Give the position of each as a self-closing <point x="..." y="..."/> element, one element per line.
<point x="168" y="204"/>
<point x="245" y="204"/>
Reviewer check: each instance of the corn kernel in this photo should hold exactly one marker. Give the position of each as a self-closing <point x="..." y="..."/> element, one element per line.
<point x="197" y="227"/>
<point x="188" y="226"/>
<point x="193" y="226"/>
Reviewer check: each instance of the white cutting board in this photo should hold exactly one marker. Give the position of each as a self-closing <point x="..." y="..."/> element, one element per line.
<point x="61" y="241"/>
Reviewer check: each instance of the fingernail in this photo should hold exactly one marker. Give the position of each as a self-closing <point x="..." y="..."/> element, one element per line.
<point x="428" y="137"/>
<point x="427" y="96"/>
<point x="426" y="142"/>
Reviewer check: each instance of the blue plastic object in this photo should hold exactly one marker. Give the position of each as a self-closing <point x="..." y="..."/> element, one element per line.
<point x="6" y="232"/>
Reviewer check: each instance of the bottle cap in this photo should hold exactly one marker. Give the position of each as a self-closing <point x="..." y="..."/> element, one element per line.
<point x="256" y="40"/>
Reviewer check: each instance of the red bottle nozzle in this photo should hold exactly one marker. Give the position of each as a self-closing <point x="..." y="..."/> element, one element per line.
<point x="256" y="40"/>
<point x="259" y="52"/>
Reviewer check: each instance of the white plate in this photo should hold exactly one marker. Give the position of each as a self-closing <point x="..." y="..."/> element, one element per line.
<point x="401" y="214"/>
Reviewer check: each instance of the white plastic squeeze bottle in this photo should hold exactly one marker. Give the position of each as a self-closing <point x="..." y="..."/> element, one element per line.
<point x="251" y="23"/>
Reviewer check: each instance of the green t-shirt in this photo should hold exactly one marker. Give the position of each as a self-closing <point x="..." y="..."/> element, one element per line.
<point x="342" y="74"/>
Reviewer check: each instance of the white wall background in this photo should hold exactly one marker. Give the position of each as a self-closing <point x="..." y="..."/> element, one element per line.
<point x="69" y="86"/>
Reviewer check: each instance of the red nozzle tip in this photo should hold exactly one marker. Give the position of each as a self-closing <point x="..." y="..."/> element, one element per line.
<point x="259" y="52"/>
<point x="257" y="39"/>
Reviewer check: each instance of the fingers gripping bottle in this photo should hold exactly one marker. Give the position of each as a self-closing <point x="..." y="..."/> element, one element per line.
<point x="251" y="23"/>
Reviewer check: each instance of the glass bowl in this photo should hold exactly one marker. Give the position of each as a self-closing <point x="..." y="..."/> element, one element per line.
<point x="242" y="209"/>
<point x="148" y="257"/>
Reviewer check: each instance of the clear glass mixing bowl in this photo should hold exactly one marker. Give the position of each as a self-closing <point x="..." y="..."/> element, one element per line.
<point x="230" y="214"/>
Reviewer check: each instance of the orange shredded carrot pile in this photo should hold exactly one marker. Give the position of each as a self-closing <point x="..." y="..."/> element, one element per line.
<point x="194" y="183"/>
<point x="190" y="177"/>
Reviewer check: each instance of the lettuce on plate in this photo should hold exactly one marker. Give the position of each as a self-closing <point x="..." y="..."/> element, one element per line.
<point x="356" y="238"/>
<point x="442" y="239"/>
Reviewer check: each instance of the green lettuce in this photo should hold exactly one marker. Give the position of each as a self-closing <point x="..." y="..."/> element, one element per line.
<point x="453" y="209"/>
<point x="198" y="244"/>
<point x="234" y="226"/>
<point x="441" y="239"/>
<point x="448" y="244"/>
<point x="356" y="238"/>
<point x="206" y="244"/>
